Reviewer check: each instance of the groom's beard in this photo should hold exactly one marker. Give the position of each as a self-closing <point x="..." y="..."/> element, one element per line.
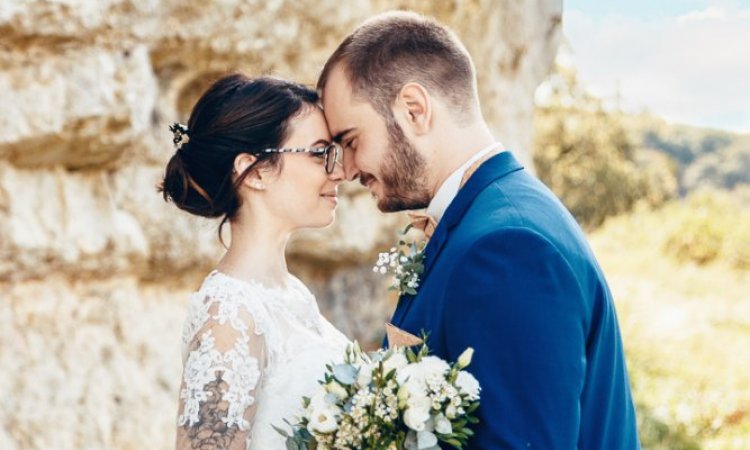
<point x="402" y="173"/>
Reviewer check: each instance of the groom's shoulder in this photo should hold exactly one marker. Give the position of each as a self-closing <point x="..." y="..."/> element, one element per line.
<point x="520" y="208"/>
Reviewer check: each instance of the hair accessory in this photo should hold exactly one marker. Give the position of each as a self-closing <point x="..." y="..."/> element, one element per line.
<point x="180" y="135"/>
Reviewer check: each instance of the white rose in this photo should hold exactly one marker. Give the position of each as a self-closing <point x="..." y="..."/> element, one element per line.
<point x="395" y="361"/>
<point x="433" y="365"/>
<point x="468" y="384"/>
<point x="430" y="365"/>
<point x="322" y="420"/>
<point x="450" y="412"/>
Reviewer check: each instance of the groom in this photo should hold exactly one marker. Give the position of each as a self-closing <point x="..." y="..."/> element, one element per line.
<point x="507" y="269"/>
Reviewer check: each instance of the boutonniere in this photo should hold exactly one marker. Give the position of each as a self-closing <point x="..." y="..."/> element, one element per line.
<point x="405" y="262"/>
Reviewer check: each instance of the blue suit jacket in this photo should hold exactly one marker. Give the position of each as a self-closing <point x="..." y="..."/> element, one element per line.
<point x="508" y="272"/>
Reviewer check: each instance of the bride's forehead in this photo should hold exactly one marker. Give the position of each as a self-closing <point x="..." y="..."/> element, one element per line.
<point x="309" y="126"/>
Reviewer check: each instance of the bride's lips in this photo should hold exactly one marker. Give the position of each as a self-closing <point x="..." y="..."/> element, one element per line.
<point x="331" y="196"/>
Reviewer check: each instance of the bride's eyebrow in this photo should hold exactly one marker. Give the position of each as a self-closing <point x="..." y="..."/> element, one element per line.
<point x="323" y="142"/>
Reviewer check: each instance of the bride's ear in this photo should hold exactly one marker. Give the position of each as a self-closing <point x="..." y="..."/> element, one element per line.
<point x="254" y="179"/>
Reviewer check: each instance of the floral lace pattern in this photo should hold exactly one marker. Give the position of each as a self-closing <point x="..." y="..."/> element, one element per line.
<point x="206" y="364"/>
<point x="265" y="346"/>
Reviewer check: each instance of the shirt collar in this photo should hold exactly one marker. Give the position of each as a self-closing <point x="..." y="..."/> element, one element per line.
<point x="449" y="189"/>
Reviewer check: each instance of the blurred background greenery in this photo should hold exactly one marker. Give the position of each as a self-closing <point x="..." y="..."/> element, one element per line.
<point x="667" y="208"/>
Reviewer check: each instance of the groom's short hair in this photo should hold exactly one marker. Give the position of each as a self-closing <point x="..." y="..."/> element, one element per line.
<point x="398" y="47"/>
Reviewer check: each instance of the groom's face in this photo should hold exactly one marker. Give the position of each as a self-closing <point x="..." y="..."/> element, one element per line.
<point x="376" y="151"/>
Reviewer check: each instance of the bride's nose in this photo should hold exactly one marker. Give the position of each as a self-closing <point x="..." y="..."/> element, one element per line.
<point x="338" y="171"/>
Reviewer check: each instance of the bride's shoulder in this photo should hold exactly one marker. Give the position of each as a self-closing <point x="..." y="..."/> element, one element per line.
<point x="222" y="299"/>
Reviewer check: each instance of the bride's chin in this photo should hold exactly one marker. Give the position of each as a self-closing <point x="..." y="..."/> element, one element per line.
<point x="331" y="220"/>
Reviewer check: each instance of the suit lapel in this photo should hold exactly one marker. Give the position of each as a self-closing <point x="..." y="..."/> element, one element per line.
<point x="494" y="168"/>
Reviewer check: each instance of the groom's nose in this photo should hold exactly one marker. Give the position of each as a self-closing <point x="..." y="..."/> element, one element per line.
<point x="351" y="172"/>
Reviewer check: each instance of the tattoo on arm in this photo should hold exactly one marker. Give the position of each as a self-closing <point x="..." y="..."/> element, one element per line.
<point x="211" y="433"/>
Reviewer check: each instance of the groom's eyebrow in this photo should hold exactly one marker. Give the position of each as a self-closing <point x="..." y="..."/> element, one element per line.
<point x="340" y="136"/>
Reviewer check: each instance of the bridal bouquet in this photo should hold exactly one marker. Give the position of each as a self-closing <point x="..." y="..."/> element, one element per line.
<point x="389" y="400"/>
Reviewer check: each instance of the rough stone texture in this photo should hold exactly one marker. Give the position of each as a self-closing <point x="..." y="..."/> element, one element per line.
<point x="95" y="267"/>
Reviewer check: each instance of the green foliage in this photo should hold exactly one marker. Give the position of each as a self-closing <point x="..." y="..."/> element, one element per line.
<point x="657" y="434"/>
<point x="685" y="327"/>
<point x="708" y="226"/>
<point x="585" y="155"/>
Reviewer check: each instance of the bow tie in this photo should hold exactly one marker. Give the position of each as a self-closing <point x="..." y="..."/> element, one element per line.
<point x="427" y="223"/>
<point x="423" y="221"/>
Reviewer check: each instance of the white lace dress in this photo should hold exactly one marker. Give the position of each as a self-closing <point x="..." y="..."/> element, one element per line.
<point x="250" y="354"/>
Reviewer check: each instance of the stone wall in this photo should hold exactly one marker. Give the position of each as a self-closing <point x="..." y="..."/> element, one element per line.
<point x="95" y="267"/>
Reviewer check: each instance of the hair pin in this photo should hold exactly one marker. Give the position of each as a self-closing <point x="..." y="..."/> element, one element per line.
<point x="180" y="134"/>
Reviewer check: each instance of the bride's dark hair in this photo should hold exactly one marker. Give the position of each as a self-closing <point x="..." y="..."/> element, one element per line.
<point x="237" y="114"/>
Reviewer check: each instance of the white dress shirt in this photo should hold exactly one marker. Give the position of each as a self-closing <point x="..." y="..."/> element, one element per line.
<point x="449" y="189"/>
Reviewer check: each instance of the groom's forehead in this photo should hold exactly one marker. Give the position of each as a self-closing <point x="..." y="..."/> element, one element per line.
<point x="338" y="91"/>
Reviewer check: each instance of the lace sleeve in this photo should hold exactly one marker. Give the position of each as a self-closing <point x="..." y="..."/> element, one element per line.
<point x="222" y="369"/>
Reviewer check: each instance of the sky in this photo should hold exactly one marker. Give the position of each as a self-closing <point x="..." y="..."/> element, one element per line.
<point x="687" y="61"/>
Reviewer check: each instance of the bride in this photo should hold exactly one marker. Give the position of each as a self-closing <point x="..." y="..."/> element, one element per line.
<point x="256" y="153"/>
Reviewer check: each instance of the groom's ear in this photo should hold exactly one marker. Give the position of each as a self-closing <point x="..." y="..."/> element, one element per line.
<point x="415" y="107"/>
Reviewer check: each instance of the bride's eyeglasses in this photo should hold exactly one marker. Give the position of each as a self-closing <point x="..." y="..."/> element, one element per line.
<point x="331" y="152"/>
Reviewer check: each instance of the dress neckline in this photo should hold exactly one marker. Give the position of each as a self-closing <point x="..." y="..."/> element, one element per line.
<point x="291" y="286"/>
<point x="295" y="298"/>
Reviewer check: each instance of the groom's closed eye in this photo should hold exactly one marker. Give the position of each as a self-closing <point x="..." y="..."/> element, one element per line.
<point x="341" y="136"/>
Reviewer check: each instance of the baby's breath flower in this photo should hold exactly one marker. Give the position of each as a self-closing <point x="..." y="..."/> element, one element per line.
<point x="406" y="263"/>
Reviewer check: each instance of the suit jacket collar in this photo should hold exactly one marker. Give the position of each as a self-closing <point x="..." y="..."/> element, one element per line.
<point x="494" y="168"/>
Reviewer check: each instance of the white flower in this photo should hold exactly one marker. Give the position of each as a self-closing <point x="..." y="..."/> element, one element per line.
<point x="468" y="384"/>
<point x="426" y="440"/>
<point x="433" y="365"/>
<point x="430" y="366"/>
<point x="443" y="425"/>
<point x="335" y="388"/>
<point x="465" y="359"/>
<point x="323" y="399"/>
<point x="322" y="421"/>
<point x="418" y="413"/>
<point x="396" y="361"/>
<point x="364" y="377"/>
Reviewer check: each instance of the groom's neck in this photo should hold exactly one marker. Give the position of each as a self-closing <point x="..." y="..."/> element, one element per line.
<point x="453" y="147"/>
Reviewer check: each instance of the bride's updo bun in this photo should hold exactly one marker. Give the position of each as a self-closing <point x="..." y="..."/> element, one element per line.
<point x="237" y="114"/>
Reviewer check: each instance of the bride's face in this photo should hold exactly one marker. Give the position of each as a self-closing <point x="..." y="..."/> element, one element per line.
<point x="302" y="194"/>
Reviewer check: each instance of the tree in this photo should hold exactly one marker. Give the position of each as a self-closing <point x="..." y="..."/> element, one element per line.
<point x="584" y="154"/>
